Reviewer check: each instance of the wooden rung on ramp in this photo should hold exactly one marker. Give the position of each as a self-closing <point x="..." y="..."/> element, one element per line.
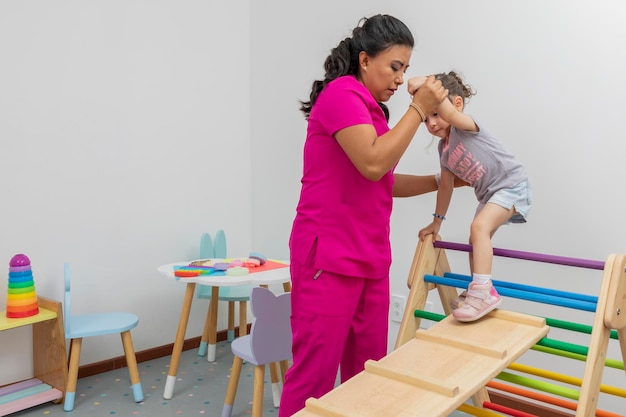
<point x="436" y="372"/>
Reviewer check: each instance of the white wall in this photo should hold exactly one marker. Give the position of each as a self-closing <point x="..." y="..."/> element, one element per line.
<point x="125" y="135"/>
<point x="549" y="77"/>
<point x="130" y="127"/>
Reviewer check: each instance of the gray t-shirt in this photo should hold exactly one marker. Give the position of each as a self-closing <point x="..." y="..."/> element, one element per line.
<point x="479" y="159"/>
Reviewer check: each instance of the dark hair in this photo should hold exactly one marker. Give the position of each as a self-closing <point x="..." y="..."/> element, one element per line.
<point x="455" y="85"/>
<point x="372" y="35"/>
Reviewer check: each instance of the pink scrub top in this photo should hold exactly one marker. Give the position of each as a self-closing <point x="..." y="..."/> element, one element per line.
<point x="347" y="214"/>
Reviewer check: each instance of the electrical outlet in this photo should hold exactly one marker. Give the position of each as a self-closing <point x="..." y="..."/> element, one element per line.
<point x="397" y="307"/>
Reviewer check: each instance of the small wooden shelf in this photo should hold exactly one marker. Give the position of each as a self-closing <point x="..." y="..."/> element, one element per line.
<point x="49" y="359"/>
<point x="44" y="315"/>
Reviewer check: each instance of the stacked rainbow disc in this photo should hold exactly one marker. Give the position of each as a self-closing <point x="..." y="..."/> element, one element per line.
<point x="21" y="299"/>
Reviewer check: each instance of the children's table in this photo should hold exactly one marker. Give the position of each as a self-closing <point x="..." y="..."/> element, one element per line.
<point x="272" y="272"/>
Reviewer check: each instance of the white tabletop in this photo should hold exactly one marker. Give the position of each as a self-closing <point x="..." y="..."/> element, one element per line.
<point x="271" y="276"/>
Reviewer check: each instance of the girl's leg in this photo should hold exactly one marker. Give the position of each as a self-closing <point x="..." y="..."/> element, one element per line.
<point x="481" y="297"/>
<point x="482" y="251"/>
<point x="484" y="226"/>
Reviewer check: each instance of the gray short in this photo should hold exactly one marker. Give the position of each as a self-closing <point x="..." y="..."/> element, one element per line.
<point x="520" y="197"/>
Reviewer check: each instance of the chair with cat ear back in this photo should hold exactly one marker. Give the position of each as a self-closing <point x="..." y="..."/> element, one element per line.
<point x="269" y="341"/>
<point x="78" y="327"/>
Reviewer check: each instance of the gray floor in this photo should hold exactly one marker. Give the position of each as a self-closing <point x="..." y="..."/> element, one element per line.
<point x="199" y="391"/>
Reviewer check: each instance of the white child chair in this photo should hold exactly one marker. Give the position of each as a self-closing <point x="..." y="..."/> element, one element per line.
<point x="87" y="325"/>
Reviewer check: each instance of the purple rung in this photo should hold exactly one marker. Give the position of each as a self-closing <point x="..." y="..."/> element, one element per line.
<point x="530" y="256"/>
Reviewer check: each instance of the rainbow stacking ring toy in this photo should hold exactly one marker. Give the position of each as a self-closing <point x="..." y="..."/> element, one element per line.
<point x="21" y="296"/>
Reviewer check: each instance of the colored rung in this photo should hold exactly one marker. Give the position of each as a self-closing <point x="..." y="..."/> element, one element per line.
<point x="48" y="395"/>
<point x="24" y="393"/>
<point x="561" y="324"/>
<point x="524" y="295"/>
<point x="609" y="363"/>
<point x="428" y="315"/>
<point x="478" y="412"/>
<point x="575" y="327"/>
<point x="529" y="256"/>
<point x="530" y="288"/>
<point x="539" y="385"/>
<point x="567" y="379"/>
<point x="568" y="347"/>
<point x="545" y="345"/>
<point x="9" y="389"/>
<point x="543" y="398"/>
<point x="506" y="410"/>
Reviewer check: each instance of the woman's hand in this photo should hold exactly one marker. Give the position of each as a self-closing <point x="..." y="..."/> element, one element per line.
<point x="430" y="94"/>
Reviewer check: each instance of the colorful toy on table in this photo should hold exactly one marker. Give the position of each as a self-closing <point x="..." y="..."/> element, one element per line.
<point x="237" y="271"/>
<point x="21" y="298"/>
<point x="252" y="263"/>
<point x="221" y="266"/>
<point x="190" y="271"/>
<point x="230" y="267"/>
<point x="258" y="257"/>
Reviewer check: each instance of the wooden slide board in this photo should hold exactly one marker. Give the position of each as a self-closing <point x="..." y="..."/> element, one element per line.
<point x="434" y="373"/>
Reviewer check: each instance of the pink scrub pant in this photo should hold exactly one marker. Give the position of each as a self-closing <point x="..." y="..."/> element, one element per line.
<point x="338" y="322"/>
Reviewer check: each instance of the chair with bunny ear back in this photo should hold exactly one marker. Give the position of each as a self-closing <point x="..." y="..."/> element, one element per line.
<point x="240" y="294"/>
<point x="269" y="341"/>
<point x="78" y="327"/>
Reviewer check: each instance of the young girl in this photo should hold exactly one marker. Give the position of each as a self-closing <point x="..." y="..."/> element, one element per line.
<point x="500" y="183"/>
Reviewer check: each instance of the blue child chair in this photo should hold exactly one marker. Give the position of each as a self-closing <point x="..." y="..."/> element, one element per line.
<point x="269" y="342"/>
<point x="80" y="326"/>
<point x="240" y="294"/>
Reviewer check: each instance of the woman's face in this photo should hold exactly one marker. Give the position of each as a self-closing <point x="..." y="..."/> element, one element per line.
<point x="384" y="73"/>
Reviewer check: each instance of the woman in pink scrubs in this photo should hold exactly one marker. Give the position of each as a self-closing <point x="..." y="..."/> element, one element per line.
<point x="340" y="249"/>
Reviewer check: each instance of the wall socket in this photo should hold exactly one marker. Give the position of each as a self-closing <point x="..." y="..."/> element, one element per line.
<point x="397" y="307"/>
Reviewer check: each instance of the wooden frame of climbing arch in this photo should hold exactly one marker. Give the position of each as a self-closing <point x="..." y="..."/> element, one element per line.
<point x="432" y="372"/>
<point x="430" y="270"/>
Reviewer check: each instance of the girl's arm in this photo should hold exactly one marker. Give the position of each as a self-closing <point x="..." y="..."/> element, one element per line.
<point x="415" y="83"/>
<point x="452" y="113"/>
<point x="444" y="196"/>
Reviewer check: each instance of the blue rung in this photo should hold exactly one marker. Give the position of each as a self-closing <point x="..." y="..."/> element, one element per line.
<point x="514" y="293"/>
<point x="522" y="287"/>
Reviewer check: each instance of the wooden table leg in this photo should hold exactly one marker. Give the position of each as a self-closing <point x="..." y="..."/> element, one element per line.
<point x="168" y="392"/>
<point x="204" y="340"/>
<point x="243" y="318"/>
<point x="213" y="305"/>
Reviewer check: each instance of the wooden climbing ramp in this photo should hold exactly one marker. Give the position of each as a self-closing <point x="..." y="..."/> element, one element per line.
<point x="434" y="373"/>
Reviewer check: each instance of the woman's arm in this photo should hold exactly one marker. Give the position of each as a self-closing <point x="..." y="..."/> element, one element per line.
<point x="406" y="185"/>
<point x="375" y="155"/>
